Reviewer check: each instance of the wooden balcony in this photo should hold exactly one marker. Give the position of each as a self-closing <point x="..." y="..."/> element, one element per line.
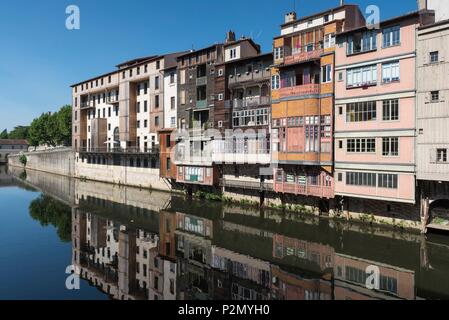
<point x="303" y="56"/>
<point x="305" y="190"/>
<point x="307" y="89"/>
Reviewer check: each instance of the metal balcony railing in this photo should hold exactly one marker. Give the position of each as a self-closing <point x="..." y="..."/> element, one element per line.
<point x="130" y="150"/>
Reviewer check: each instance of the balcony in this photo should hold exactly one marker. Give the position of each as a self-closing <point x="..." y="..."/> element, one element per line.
<point x="252" y="101"/>
<point x="305" y="190"/>
<point x="242" y="152"/>
<point x="87" y="105"/>
<point x="112" y="100"/>
<point x="201" y="104"/>
<point x="256" y="75"/>
<point x="307" y="89"/>
<point x="241" y="184"/>
<point x="302" y="54"/>
<point x="131" y="150"/>
<point x="202" y="81"/>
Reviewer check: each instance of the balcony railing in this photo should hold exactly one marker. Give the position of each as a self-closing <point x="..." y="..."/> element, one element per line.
<point x="201" y="104"/>
<point x="305" y="190"/>
<point x="251" y="101"/>
<point x="253" y="185"/>
<point x="112" y="99"/>
<point x="256" y="75"/>
<point x="307" y="89"/>
<point x="248" y="151"/>
<point x="130" y="150"/>
<point x="202" y="81"/>
<point x="87" y="104"/>
<point x="303" y="53"/>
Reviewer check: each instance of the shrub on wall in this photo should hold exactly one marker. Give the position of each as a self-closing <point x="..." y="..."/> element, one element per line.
<point x="23" y="160"/>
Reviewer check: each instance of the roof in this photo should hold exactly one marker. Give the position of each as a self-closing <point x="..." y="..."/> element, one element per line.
<point x="436" y="24"/>
<point x="9" y="142"/>
<point x="130" y="64"/>
<point x="251" y="41"/>
<point x="318" y="14"/>
<point x="386" y="22"/>
<point x="259" y="56"/>
<point x="136" y="61"/>
<point x="191" y="52"/>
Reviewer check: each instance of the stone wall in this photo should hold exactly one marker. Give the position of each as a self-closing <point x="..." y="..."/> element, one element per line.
<point x="58" y="161"/>
<point x="122" y="175"/>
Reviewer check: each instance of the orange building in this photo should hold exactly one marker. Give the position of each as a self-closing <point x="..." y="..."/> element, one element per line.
<point x="303" y="100"/>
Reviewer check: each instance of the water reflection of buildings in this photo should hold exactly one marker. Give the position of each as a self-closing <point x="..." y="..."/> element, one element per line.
<point x="185" y="259"/>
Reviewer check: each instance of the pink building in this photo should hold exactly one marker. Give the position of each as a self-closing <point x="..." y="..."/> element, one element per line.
<point x="375" y="111"/>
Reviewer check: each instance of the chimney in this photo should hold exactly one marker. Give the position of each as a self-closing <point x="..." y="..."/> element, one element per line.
<point x="290" y="17"/>
<point x="342" y="2"/>
<point x="422" y="4"/>
<point x="230" y="36"/>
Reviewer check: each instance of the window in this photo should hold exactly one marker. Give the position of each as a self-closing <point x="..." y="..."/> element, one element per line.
<point x="146" y="68"/>
<point x="340" y="76"/>
<point x="390" y="147"/>
<point x="390" y="72"/>
<point x="340" y="144"/>
<point x="220" y="97"/>
<point x="145" y="124"/>
<point x="364" y="42"/>
<point x="391" y="36"/>
<point x="220" y="72"/>
<point x="326" y="73"/>
<point x="311" y="133"/>
<point x="172" y="103"/>
<point x="325" y="127"/>
<point x="138" y="124"/>
<point x="172" y="78"/>
<point x="156" y="121"/>
<point x="130" y="72"/>
<point x="233" y="53"/>
<point x="361" y="111"/>
<point x="390" y="110"/>
<point x="441" y="155"/>
<point x="145" y="106"/>
<point x="329" y="40"/>
<point x="182" y="98"/>
<point x="250" y="117"/>
<point x="156" y="83"/>
<point x="156" y="101"/>
<point x="158" y="65"/>
<point x="361" y="145"/>
<point x="340" y="177"/>
<point x="388" y="181"/>
<point x="138" y="89"/>
<point x="278" y="53"/>
<point x="357" y="77"/>
<point x="145" y="88"/>
<point x="326" y="18"/>
<point x="361" y="179"/>
<point x="173" y="122"/>
<point x="138" y="107"/>
<point x="275" y="82"/>
<point x="434" y="96"/>
<point x="434" y="57"/>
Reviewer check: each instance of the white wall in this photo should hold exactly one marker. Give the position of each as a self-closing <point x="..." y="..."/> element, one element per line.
<point x="170" y="90"/>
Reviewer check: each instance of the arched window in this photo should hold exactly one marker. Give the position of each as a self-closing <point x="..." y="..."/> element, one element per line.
<point x="116" y="136"/>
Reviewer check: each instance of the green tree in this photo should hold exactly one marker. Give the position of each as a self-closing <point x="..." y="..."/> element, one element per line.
<point x="4" y="134"/>
<point x="36" y="132"/>
<point x="64" y="124"/>
<point x="19" y="132"/>
<point x="49" y="211"/>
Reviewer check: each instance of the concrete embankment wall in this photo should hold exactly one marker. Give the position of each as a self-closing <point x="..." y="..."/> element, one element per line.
<point x="122" y="175"/>
<point x="58" y="161"/>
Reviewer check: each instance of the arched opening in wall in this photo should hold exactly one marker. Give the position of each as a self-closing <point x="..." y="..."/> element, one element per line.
<point x="439" y="212"/>
<point x="116" y="142"/>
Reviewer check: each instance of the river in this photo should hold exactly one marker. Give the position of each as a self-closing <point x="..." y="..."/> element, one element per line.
<point x="126" y="243"/>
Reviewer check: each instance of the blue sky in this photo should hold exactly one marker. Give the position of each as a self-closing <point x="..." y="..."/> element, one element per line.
<point x="40" y="58"/>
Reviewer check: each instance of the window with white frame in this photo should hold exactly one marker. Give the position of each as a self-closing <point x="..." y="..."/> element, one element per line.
<point x="441" y="155"/>
<point x="390" y="147"/>
<point x="275" y="82"/>
<point x="362" y="76"/>
<point x="250" y="117"/>
<point x="233" y="53"/>
<point x="326" y="73"/>
<point x="329" y="40"/>
<point x="388" y="181"/>
<point x="362" y="42"/>
<point x="390" y="110"/>
<point x="366" y="179"/>
<point x="390" y="72"/>
<point x="391" y="36"/>
<point x="434" y="57"/>
<point x="312" y="133"/>
<point x="278" y="53"/>
<point x="220" y="97"/>
<point x="361" y="111"/>
<point x="362" y="145"/>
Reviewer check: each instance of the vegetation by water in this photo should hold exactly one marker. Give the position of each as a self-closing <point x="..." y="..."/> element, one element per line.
<point x="48" y="211"/>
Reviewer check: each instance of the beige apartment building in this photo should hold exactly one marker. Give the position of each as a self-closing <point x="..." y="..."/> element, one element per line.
<point x="121" y="110"/>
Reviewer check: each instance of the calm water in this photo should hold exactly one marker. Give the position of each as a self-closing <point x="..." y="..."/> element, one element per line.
<point x="135" y="244"/>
